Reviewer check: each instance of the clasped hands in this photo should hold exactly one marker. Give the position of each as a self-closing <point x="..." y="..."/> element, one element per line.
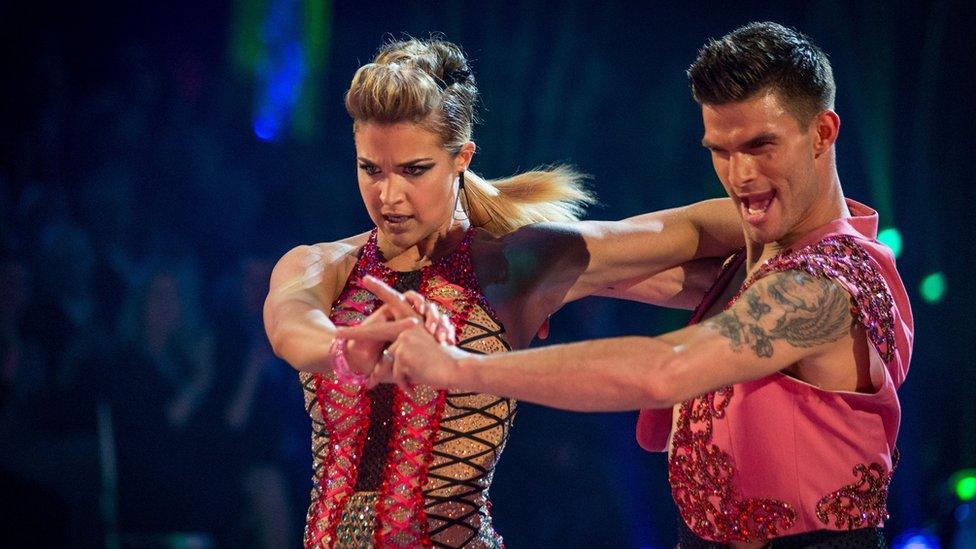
<point x="421" y="341"/>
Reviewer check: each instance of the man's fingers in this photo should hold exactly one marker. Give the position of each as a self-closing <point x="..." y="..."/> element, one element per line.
<point x="445" y="332"/>
<point x="381" y="373"/>
<point x="408" y="305"/>
<point x="385" y="331"/>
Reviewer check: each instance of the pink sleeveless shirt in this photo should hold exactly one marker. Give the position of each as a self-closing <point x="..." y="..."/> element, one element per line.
<point x="776" y="456"/>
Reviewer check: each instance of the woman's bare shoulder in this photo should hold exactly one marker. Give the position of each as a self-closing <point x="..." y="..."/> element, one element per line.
<point x="311" y="262"/>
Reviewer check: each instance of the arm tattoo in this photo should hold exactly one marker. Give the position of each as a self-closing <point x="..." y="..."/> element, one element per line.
<point x="756" y="307"/>
<point x="740" y="334"/>
<point x="812" y="311"/>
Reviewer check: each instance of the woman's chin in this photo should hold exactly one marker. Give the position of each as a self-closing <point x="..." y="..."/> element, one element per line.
<point x="399" y="236"/>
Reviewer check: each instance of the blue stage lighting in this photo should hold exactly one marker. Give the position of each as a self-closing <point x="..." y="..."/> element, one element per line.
<point x="916" y="539"/>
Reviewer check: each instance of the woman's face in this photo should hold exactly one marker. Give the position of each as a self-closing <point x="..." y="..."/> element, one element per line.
<point x="408" y="180"/>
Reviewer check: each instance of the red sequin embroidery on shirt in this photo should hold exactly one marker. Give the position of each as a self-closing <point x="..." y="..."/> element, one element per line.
<point x="858" y="505"/>
<point x="702" y="474"/>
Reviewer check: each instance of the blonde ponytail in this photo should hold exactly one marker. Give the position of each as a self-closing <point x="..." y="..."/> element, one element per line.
<point x="502" y="205"/>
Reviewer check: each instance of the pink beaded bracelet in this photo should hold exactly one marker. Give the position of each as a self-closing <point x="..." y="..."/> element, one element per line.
<point x="341" y="366"/>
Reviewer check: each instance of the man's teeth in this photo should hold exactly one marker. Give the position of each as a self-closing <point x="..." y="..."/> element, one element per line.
<point x="758" y="207"/>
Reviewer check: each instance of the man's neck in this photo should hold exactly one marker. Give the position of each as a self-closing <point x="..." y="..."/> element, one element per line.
<point x="833" y="206"/>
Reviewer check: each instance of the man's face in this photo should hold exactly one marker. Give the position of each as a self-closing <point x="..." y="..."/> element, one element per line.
<point x="766" y="162"/>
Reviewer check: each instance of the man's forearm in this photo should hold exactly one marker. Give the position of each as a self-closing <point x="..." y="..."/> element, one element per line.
<point x="718" y="225"/>
<point x="626" y="373"/>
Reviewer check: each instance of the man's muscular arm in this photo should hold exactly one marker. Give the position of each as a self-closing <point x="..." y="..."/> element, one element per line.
<point x="629" y="259"/>
<point x="624" y="253"/>
<point x="782" y="319"/>
<point x="649" y="258"/>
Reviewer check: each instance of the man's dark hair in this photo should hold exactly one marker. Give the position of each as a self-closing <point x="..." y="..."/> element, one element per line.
<point x="762" y="57"/>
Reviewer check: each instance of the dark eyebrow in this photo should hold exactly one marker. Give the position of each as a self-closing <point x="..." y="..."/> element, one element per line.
<point x="414" y="162"/>
<point x="761" y="139"/>
<point x="401" y="165"/>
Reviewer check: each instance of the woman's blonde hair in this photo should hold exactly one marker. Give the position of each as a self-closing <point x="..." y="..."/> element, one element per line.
<point x="428" y="82"/>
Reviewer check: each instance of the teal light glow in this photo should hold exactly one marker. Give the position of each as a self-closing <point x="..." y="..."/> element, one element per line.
<point x="933" y="287"/>
<point x="891" y="237"/>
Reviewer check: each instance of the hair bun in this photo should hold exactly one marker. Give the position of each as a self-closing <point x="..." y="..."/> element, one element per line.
<point x="456" y="76"/>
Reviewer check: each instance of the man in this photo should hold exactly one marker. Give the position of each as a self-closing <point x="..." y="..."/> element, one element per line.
<point x="783" y="386"/>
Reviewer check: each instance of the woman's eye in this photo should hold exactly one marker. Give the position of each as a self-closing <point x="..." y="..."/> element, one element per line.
<point x="415" y="170"/>
<point x="369" y="169"/>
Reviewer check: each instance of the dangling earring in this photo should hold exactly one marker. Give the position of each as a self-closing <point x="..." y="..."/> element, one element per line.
<point x="459" y="203"/>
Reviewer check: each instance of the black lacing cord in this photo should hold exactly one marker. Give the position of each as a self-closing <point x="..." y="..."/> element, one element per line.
<point x="472" y="487"/>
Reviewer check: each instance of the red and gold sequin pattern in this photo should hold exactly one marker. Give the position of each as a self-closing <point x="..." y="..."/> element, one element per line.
<point x="702" y="484"/>
<point x="422" y="474"/>
<point x="861" y="504"/>
<point x="864" y="503"/>
<point x="841" y="258"/>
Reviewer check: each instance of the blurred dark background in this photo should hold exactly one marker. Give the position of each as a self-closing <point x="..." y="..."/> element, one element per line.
<point x="156" y="158"/>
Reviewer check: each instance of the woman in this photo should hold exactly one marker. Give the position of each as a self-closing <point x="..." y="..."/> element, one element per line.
<point x="408" y="469"/>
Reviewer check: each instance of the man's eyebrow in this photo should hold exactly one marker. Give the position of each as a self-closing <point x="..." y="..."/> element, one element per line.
<point x="764" y="137"/>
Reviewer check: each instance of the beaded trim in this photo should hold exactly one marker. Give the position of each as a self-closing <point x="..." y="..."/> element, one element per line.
<point x="861" y="504"/>
<point x="702" y="482"/>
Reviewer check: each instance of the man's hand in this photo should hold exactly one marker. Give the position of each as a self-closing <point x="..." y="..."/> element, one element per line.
<point x="419" y="359"/>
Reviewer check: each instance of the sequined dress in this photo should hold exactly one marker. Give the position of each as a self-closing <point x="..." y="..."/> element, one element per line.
<point x="775" y="456"/>
<point x="391" y="469"/>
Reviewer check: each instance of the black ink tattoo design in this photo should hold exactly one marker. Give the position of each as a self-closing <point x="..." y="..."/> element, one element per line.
<point x="814" y="311"/>
<point x="756" y="307"/>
